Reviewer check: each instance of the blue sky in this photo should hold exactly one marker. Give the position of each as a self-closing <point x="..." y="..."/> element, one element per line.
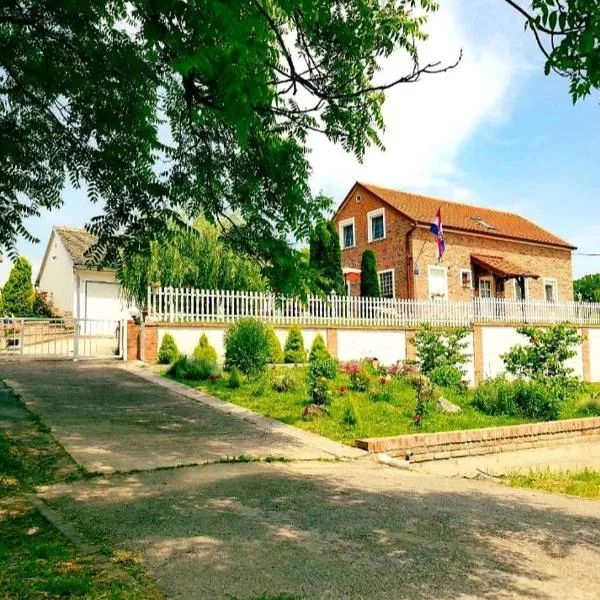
<point x="494" y="132"/>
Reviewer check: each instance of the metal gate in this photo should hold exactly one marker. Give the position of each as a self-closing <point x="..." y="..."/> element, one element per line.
<point x="61" y="338"/>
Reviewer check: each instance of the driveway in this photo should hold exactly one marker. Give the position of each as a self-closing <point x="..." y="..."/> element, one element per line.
<point x="109" y="419"/>
<point x="347" y="530"/>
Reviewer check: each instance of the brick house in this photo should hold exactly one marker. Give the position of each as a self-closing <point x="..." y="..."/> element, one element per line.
<point x="489" y="253"/>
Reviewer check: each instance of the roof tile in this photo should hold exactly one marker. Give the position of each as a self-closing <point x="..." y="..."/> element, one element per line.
<point x="77" y="242"/>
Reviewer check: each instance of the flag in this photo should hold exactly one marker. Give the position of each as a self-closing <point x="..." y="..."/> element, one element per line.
<point x="438" y="230"/>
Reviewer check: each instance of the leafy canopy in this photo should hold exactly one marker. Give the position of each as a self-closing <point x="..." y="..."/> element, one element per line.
<point x="326" y="258"/>
<point x="438" y="348"/>
<point x="589" y="287"/>
<point x="163" y="109"/>
<point x="567" y="33"/>
<point x="18" y="293"/>
<point x="187" y="257"/>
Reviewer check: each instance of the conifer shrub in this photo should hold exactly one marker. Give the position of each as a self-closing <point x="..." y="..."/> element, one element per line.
<point x="168" y="352"/>
<point x="204" y="350"/>
<point x="294" y="347"/>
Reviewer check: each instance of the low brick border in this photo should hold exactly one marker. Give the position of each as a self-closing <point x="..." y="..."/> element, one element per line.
<point x="472" y="442"/>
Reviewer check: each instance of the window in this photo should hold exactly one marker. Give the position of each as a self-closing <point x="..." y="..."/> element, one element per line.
<point x="376" y="222"/>
<point x="550" y="290"/>
<point x="438" y="283"/>
<point x="386" y="283"/>
<point x="466" y="280"/>
<point x="485" y="287"/>
<point x="519" y="295"/>
<point x="347" y="233"/>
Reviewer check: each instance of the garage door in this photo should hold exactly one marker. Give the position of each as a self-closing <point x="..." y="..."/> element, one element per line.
<point x="102" y="300"/>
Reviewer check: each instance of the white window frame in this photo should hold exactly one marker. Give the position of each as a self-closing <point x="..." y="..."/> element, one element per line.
<point x="491" y="280"/>
<point x="554" y="283"/>
<point x="516" y="285"/>
<point x="460" y="279"/>
<point x="440" y="268"/>
<point x="379" y="212"/>
<point x="343" y="224"/>
<point x="392" y="271"/>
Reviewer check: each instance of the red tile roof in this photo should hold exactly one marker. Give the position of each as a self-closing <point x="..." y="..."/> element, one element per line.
<point x="466" y="217"/>
<point x="501" y="266"/>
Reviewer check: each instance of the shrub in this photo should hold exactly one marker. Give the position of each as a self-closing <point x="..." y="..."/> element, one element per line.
<point x="590" y="407"/>
<point x="246" y="347"/>
<point x="202" y="369"/>
<point x="318" y="349"/>
<point x="447" y="376"/>
<point x="42" y="305"/>
<point x="518" y="398"/>
<point x="319" y="391"/>
<point x="426" y="394"/>
<point x="235" y="379"/>
<point x="440" y="347"/>
<point x="380" y="394"/>
<point x="275" y="351"/>
<point x="543" y="359"/>
<point x="369" y="279"/>
<point x="285" y="383"/>
<point x="204" y="350"/>
<point x="348" y="415"/>
<point x="294" y="347"/>
<point x="17" y="295"/>
<point x="324" y="367"/>
<point x="168" y="352"/>
<point x="360" y="378"/>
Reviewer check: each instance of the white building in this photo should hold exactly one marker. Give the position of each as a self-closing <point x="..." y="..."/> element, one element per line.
<point x="78" y="290"/>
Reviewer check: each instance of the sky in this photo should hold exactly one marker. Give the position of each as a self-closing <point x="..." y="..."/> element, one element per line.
<point x="493" y="132"/>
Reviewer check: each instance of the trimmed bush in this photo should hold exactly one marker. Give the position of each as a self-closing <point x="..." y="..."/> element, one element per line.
<point x="369" y="278"/>
<point x="275" y="351"/>
<point x="168" y="352"/>
<point x="235" y="379"/>
<point x="294" y="346"/>
<point x="518" y="398"/>
<point x="318" y="349"/>
<point x="246" y="347"/>
<point x="285" y="383"/>
<point x="204" y="350"/>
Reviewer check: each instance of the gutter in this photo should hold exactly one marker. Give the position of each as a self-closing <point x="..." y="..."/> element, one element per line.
<point x="410" y="276"/>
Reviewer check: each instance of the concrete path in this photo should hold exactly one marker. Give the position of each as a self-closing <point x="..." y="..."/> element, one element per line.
<point x="109" y="419"/>
<point x="351" y="530"/>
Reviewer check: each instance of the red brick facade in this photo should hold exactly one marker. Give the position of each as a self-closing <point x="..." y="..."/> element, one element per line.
<point x="409" y="249"/>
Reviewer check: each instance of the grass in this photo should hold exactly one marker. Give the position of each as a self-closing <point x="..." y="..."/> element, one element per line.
<point x="36" y="560"/>
<point x="353" y="415"/>
<point x="585" y="483"/>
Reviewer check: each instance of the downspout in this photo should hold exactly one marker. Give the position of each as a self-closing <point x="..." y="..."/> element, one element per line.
<point x="410" y="281"/>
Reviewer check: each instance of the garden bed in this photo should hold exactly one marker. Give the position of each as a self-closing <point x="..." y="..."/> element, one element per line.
<point x="353" y="415"/>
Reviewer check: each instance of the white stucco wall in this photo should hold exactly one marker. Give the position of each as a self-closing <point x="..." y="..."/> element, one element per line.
<point x="499" y="340"/>
<point x="469" y="366"/>
<point x="56" y="276"/>
<point x="187" y="338"/>
<point x="594" y="341"/>
<point x="388" y="346"/>
<point x="308" y="334"/>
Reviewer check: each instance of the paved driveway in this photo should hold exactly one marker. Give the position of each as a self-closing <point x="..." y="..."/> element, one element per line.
<point x="109" y="419"/>
<point x="347" y="530"/>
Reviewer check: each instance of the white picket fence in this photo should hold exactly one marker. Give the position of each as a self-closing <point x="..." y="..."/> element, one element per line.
<point x="176" y="305"/>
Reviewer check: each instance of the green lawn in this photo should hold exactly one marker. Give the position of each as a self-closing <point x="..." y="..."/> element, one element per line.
<point x="373" y="419"/>
<point x="36" y="560"/>
<point x="585" y="484"/>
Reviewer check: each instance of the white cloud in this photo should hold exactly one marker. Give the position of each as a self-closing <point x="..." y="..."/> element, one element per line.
<point x="429" y="122"/>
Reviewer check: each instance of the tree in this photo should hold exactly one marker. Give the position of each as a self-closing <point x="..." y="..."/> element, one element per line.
<point x="18" y="294"/>
<point x="369" y="278"/>
<point x="326" y="258"/>
<point x="188" y="257"/>
<point x="161" y="109"/>
<point x="589" y="287"/>
<point x="567" y="33"/>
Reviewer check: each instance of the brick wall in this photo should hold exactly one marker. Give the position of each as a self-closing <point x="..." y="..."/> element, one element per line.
<point x="390" y="252"/>
<point x="547" y="262"/>
<point x="149" y="351"/>
<point x="133" y="341"/>
<point x="473" y="442"/>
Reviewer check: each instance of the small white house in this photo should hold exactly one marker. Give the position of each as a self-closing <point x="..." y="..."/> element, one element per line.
<point x="77" y="289"/>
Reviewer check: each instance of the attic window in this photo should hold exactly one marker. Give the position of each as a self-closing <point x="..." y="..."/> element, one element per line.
<point x="482" y="223"/>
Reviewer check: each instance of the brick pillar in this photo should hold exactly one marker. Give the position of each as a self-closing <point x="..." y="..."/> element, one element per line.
<point x="150" y="341"/>
<point x="133" y="341"/>
<point x="586" y="355"/>
<point x="478" y="353"/>
<point x="411" y="351"/>
<point x="332" y="346"/>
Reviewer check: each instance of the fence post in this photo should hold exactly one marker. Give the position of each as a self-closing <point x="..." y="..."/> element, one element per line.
<point x="76" y="340"/>
<point x="22" y="336"/>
